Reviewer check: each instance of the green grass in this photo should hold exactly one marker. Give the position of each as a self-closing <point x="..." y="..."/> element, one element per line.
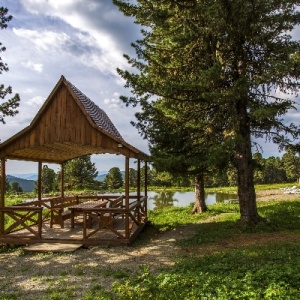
<point x="268" y="271"/>
<point x="281" y="215"/>
<point x="260" y="272"/>
<point x="215" y="264"/>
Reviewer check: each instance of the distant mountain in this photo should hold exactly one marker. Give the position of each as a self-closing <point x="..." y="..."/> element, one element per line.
<point x="101" y="177"/>
<point x="26" y="185"/>
<point x="32" y="176"/>
<point x="29" y="176"/>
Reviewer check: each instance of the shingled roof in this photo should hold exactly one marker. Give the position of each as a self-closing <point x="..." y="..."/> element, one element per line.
<point x="97" y="114"/>
<point x="67" y="126"/>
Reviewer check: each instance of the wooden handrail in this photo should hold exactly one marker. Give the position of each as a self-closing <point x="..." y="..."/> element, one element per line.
<point x="135" y="213"/>
<point x="20" y="219"/>
<point x="21" y="208"/>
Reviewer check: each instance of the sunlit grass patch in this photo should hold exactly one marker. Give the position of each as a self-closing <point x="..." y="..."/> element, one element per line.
<point x="249" y="273"/>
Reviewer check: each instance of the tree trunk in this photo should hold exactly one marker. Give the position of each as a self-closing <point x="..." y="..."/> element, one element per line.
<point x="199" y="206"/>
<point x="246" y="190"/>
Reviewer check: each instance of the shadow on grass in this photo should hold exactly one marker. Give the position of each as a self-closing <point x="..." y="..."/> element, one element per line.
<point x="220" y="222"/>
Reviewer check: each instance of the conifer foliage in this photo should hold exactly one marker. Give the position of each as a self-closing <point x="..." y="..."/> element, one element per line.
<point x="8" y="107"/>
<point x="228" y="69"/>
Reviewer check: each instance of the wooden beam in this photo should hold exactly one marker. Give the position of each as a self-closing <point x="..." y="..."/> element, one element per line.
<point x="2" y="201"/>
<point x="40" y="170"/>
<point x="127" y="232"/>
<point x="62" y="180"/>
<point x="139" y="179"/>
<point x="146" y="179"/>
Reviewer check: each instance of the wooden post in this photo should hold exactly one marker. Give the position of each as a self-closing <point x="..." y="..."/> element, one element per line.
<point x="146" y="189"/>
<point x="127" y="197"/>
<point x="146" y="179"/>
<point x="62" y="180"/>
<point x="139" y="179"/>
<point x="40" y="170"/>
<point x="2" y="201"/>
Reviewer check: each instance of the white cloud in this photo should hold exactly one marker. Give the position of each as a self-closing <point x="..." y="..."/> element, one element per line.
<point x="36" y="101"/>
<point x="28" y="91"/>
<point x="96" y="19"/>
<point x="33" y="66"/>
<point x="47" y="6"/>
<point x="113" y="103"/>
<point x="44" y="40"/>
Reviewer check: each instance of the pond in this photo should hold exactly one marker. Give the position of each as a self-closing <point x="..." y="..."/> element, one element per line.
<point x="163" y="199"/>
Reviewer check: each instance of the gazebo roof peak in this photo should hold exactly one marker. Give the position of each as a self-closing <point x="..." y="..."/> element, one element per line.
<point x="68" y="125"/>
<point x="98" y="115"/>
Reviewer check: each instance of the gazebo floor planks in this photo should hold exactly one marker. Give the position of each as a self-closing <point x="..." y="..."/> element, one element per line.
<point x="73" y="235"/>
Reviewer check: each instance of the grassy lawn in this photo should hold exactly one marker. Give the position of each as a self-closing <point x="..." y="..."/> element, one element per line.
<point x="220" y="260"/>
<point x="259" y="262"/>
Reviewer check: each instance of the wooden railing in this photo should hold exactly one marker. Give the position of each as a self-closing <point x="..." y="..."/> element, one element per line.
<point x="23" y="217"/>
<point x="105" y="217"/>
<point x="31" y="215"/>
<point x="44" y="203"/>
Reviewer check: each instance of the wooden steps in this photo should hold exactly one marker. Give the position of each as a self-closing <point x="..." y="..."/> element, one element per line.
<point x="52" y="247"/>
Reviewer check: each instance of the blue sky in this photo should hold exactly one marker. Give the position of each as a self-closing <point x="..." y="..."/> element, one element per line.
<point x="84" y="40"/>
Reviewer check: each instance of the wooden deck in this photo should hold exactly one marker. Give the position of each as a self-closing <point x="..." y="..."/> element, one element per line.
<point x="122" y="230"/>
<point x="72" y="235"/>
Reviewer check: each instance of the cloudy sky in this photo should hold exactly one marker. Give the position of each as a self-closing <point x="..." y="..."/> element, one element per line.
<point x="84" y="40"/>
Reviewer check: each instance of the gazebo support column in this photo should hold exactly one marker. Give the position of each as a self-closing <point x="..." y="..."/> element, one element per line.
<point x="139" y="179"/>
<point x="40" y="170"/>
<point x="62" y="180"/>
<point x="146" y="179"/>
<point x="127" y="196"/>
<point x="2" y="201"/>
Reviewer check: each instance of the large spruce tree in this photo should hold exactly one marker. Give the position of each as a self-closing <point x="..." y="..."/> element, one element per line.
<point x="179" y="145"/>
<point x="234" y="59"/>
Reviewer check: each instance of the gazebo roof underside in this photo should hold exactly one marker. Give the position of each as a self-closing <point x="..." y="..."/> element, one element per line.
<point x="68" y="125"/>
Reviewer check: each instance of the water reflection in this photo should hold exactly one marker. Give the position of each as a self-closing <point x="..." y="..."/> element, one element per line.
<point x="163" y="199"/>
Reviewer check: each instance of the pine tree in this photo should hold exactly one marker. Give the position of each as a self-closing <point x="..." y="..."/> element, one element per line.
<point x="9" y="107"/>
<point x="229" y="58"/>
<point x="15" y="187"/>
<point x="80" y="173"/>
<point x="114" y="179"/>
<point x="291" y="163"/>
<point x="49" y="182"/>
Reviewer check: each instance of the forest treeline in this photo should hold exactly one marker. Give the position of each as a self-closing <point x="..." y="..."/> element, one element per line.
<point x="285" y="169"/>
<point x="81" y="173"/>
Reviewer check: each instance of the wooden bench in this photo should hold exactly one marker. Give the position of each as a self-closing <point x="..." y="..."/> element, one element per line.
<point x="106" y="219"/>
<point x="59" y="211"/>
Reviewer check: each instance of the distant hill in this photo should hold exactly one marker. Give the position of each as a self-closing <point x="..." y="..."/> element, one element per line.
<point x="101" y="177"/>
<point x="26" y="185"/>
<point x="32" y="176"/>
<point x="29" y="176"/>
<point x="26" y="181"/>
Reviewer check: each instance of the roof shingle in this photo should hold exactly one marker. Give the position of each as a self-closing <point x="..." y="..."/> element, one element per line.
<point x="99" y="117"/>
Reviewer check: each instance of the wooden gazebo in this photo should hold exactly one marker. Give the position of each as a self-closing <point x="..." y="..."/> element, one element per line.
<point x="67" y="126"/>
